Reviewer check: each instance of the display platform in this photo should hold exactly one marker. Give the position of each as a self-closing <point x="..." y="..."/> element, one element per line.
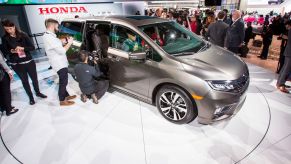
<point x="123" y="130"/>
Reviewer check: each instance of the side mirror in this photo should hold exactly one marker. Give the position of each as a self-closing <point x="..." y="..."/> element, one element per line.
<point x="139" y="57"/>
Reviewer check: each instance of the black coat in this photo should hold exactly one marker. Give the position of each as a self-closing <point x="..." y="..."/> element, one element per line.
<point x="85" y="75"/>
<point x="21" y="40"/>
<point x="267" y="35"/>
<point x="217" y="33"/>
<point x="249" y="34"/>
<point x="235" y="34"/>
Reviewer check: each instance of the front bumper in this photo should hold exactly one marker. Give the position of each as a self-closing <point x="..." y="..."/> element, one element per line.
<point x="220" y="105"/>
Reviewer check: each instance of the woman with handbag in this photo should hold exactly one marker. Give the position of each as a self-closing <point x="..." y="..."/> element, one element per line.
<point x="18" y="45"/>
<point x="6" y="75"/>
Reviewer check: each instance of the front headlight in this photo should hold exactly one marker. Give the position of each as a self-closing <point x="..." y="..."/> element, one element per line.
<point x="225" y="86"/>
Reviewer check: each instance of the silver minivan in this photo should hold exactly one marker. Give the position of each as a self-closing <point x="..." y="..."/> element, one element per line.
<point x="162" y="63"/>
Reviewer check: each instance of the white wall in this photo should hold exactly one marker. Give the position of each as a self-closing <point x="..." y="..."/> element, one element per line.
<point x="243" y="5"/>
<point x="263" y="7"/>
<point x="287" y="5"/>
<point x="36" y="20"/>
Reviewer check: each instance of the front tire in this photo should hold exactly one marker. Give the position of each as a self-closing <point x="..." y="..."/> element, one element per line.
<point x="175" y="105"/>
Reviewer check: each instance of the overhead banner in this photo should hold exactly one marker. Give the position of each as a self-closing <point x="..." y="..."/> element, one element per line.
<point x="46" y="1"/>
<point x="37" y="14"/>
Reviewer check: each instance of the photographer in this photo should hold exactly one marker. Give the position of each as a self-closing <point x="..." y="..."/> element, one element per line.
<point x="56" y="52"/>
<point x="86" y="75"/>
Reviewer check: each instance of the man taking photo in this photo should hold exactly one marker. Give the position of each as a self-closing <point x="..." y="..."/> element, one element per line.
<point x="56" y="53"/>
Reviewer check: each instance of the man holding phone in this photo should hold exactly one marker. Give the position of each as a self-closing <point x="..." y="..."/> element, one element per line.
<point x="56" y="53"/>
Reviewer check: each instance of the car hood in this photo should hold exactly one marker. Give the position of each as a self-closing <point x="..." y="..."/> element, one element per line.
<point x="215" y="63"/>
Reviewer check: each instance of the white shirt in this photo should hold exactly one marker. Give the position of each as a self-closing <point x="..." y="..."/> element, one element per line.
<point x="55" y="51"/>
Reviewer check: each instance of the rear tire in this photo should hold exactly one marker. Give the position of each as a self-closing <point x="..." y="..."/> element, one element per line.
<point x="175" y="105"/>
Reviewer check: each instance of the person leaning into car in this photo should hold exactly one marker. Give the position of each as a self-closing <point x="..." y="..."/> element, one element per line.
<point x="85" y="75"/>
<point x="18" y="45"/>
<point x="5" y="92"/>
<point x="56" y="53"/>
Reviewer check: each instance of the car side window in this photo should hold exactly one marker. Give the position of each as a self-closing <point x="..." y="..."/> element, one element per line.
<point x="156" y="56"/>
<point x="73" y="29"/>
<point x="152" y="54"/>
<point x="127" y="40"/>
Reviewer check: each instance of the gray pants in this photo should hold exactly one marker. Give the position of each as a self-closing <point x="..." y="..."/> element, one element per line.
<point x="284" y="72"/>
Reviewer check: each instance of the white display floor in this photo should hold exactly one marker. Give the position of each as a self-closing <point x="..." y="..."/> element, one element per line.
<point x="123" y="130"/>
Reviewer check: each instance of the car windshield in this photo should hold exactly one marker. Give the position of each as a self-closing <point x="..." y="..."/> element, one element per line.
<point x="174" y="38"/>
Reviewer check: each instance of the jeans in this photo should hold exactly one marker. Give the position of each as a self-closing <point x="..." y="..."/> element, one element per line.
<point x="25" y="70"/>
<point x="63" y="82"/>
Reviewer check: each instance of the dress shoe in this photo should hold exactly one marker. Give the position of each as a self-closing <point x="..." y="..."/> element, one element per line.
<point x="66" y="103"/>
<point x="12" y="111"/>
<point x="71" y="97"/>
<point x="41" y="95"/>
<point x="94" y="98"/>
<point x="31" y="102"/>
<point x="84" y="98"/>
<point x="283" y="89"/>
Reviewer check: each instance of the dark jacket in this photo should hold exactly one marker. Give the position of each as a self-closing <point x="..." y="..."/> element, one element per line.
<point x="248" y="34"/>
<point x="227" y="20"/>
<point x="287" y="52"/>
<point x="267" y="35"/>
<point x="217" y="33"/>
<point x="199" y="27"/>
<point x="22" y="40"/>
<point x="85" y="75"/>
<point x="235" y="34"/>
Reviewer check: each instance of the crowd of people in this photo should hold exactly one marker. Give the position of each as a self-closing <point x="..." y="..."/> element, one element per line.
<point x="231" y="31"/>
<point x="234" y="30"/>
<point x="16" y="48"/>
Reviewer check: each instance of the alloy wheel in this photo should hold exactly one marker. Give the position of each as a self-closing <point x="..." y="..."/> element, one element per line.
<point x="173" y="106"/>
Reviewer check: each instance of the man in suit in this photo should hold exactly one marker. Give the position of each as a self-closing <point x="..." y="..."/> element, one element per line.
<point x="283" y="76"/>
<point x="236" y="33"/>
<point x="217" y="31"/>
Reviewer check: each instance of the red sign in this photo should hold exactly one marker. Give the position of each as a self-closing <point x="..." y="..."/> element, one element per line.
<point x="61" y="10"/>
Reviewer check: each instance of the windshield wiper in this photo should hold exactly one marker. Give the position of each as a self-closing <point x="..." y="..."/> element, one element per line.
<point x="183" y="53"/>
<point x="207" y="45"/>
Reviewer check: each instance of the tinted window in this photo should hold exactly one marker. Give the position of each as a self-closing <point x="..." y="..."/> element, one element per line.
<point x="72" y="28"/>
<point x="127" y="40"/>
<point x="173" y="38"/>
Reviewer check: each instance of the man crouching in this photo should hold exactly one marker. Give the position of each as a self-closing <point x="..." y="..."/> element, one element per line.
<point x="86" y="76"/>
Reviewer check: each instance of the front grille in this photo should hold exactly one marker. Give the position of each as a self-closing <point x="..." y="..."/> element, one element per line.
<point x="241" y="83"/>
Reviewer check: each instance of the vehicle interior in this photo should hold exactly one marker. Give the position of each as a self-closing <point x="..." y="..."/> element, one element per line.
<point x="96" y="41"/>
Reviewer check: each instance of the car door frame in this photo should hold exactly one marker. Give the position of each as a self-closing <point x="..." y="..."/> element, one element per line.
<point x="112" y="51"/>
